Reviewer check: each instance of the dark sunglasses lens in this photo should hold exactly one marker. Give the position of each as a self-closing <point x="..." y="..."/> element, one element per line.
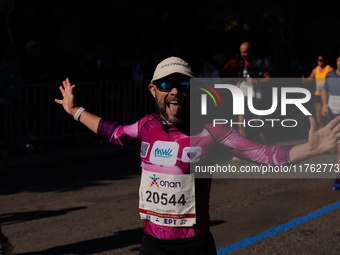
<point x="164" y="86"/>
<point x="184" y="85"/>
<point x="168" y="85"/>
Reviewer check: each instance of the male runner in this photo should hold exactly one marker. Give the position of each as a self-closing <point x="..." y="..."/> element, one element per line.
<point x="174" y="206"/>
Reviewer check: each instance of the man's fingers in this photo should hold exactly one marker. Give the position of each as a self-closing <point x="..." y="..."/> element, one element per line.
<point x="58" y="101"/>
<point x="66" y="89"/>
<point x="62" y="90"/>
<point x="66" y="84"/>
<point x="72" y="88"/>
<point x="334" y="122"/>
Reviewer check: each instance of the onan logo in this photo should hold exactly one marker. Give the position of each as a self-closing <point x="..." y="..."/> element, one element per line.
<point x="163" y="153"/>
<point x="168" y="184"/>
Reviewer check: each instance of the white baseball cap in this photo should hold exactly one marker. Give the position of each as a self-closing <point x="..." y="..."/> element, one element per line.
<point x="172" y="65"/>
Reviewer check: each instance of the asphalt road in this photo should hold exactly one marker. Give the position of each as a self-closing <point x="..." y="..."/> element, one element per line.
<point x="84" y="201"/>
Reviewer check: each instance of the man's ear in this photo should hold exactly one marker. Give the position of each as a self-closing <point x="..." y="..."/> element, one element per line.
<point x="152" y="89"/>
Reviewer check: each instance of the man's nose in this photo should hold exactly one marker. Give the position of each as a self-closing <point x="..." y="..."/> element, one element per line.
<point x="174" y="91"/>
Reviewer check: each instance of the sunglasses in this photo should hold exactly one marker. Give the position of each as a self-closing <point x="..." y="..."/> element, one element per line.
<point x="320" y="59"/>
<point x="167" y="86"/>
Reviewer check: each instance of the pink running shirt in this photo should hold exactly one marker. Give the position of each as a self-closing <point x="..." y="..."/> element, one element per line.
<point x="150" y="130"/>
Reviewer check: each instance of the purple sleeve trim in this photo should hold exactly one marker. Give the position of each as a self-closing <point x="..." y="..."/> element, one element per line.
<point x="106" y="128"/>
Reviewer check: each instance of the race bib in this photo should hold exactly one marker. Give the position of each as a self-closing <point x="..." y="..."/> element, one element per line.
<point x="334" y="104"/>
<point x="167" y="200"/>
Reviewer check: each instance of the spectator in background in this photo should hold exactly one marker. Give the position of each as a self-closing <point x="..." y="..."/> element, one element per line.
<point x="254" y="71"/>
<point x="36" y="67"/>
<point x="211" y="67"/>
<point x="319" y="73"/>
<point x="10" y="91"/>
<point x="230" y="68"/>
<point x="98" y="66"/>
<point x="330" y="96"/>
<point x="11" y="69"/>
<point x="138" y="63"/>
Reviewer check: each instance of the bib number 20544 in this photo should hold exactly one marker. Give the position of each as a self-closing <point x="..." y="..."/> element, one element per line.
<point x="164" y="199"/>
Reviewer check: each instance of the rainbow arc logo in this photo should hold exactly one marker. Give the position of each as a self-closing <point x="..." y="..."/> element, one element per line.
<point x="213" y="94"/>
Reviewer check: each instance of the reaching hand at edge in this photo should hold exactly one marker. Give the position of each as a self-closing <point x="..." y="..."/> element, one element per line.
<point x="326" y="138"/>
<point x="319" y="140"/>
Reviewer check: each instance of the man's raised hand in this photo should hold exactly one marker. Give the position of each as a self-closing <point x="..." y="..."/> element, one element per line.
<point x="326" y="138"/>
<point x="68" y="101"/>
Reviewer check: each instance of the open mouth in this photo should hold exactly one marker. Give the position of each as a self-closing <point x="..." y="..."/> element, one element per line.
<point x="174" y="107"/>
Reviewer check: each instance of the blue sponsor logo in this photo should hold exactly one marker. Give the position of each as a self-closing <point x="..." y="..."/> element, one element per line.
<point x="163" y="183"/>
<point x="163" y="153"/>
<point x="170" y="184"/>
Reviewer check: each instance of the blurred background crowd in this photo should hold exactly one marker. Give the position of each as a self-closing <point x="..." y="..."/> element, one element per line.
<point x="43" y="42"/>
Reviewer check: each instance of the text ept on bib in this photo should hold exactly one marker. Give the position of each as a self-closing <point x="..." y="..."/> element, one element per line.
<point x="167" y="200"/>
